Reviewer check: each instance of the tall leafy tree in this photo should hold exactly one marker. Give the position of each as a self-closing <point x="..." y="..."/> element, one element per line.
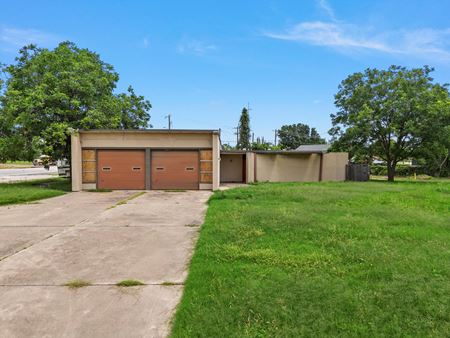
<point x="388" y="113"/>
<point x="50" y="93"/>
<point x="244" y="130"/>
<point x="293" y="135"/>
<point x="434" y="152"/>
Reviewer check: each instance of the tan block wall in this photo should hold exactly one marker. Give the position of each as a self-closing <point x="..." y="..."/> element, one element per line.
<point x="205" y="186"/>
<point x="333" y="168"/>
<point x="89" y="166"/>
<point x="89" y="186"/>
<point x="287" y="168"/>
<point x="206" y="167"/>
<point x="231" y="169"/>
<point x="145" y="140"/>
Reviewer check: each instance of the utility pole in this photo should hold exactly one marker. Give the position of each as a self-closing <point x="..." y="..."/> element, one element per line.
<point x="276" y="134"/>
<point x="237" y="135"/>
<point x="253" y="137"/>
<point x="168" y="117"/>
<point x="248" y="107"/>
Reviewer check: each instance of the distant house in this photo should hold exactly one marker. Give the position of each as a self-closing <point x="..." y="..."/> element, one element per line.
<point x="409" y="162"/>
<point x="314" y="147"/>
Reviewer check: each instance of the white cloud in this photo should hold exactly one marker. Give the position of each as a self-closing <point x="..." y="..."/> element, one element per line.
<point x="329" y="34"/>
<point x="327" y="9"/>
<point x="424" y="43"/>
<point x="195" y="47"/>
<point x="427" y="41"/>
<point x="11" y="37"/>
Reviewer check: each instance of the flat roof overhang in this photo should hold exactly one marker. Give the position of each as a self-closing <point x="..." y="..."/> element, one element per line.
<point x="288" y="152"/>
<point x="149" y="131"/>
<point x="234" y="152"/>
<point x="274" y="152"/>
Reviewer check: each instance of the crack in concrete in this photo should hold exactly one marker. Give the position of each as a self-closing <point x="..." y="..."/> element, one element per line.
<point x="29" y="246"/>
<point x="63" y="230"/>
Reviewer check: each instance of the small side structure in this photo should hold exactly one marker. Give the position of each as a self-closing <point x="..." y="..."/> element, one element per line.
<point x="282" y="166"/>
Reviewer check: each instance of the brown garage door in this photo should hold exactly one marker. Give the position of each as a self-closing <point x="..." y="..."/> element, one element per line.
<point x="174" y="170"/>
<point x="121" y="169"/>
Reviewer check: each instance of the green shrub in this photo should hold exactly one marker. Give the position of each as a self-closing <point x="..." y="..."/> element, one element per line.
<point x="401" y="170"/>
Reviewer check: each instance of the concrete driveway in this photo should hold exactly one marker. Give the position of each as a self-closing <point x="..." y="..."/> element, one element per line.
<point x="89" y="236"/>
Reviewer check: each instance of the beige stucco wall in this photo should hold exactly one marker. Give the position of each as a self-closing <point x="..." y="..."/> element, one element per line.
<point x="141" y="139"/>
<point x="76" y="162"/>
<point x="287" y="168"/>
<point x="146" y="140"/>
<point x="333" y="168"/>
<point x="231" y="169"/>
<point x="250" y="166"/>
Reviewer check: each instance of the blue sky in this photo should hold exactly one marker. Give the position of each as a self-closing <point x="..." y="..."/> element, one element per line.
<point x="202" y="61"/>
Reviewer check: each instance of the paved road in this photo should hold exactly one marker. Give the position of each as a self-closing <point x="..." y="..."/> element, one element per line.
<point x="88" y="236"/>
<point x="25" y="174"/>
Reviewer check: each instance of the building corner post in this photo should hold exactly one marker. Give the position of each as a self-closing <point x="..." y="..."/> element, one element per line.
<point x="250" y="161"/>
<point x="216" y="161"/>
<point x="75" y="148"/>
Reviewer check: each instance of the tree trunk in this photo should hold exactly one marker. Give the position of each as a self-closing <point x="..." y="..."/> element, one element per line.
<point x="391" y="171"/>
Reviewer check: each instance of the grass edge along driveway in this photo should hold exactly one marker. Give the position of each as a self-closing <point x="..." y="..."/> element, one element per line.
<point x="33" y="190"/>
<point x="321" y="259"/>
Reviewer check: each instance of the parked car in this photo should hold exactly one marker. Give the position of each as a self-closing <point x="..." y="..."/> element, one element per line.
<point x="43" y="160"/>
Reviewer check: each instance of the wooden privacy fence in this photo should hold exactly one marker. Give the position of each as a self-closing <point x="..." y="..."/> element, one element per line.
<point x="357" y="172"/>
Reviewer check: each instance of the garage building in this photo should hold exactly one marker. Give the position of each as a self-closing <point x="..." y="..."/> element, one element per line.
<point x="145" y="159"/>
<point x="163" y="159"/>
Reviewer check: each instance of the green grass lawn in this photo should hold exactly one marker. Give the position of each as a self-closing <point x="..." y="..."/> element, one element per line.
<point x="12" y="193"/>
<point x="19" y="162"/>
<point x="369" y="259"/>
